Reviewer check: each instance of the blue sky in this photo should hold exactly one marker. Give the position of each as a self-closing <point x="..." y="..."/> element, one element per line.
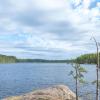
<point x="48" y="29"/>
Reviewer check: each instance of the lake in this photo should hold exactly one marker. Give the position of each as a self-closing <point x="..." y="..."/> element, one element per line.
<point x="20" y="78"/>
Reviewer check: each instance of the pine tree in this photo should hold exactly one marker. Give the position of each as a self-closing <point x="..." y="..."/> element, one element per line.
<point x="78" y="74"/>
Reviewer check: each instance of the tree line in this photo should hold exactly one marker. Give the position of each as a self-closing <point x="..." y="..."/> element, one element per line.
<point x="13" y="59"/>
<point x="87" y="58"/>
<point x="7" y="59"/>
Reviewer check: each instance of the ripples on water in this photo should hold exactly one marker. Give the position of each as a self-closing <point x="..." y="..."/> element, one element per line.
<point x="16" y="79"/>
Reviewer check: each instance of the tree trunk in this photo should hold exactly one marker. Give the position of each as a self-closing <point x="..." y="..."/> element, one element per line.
<point x="97" y="83"/>
<point x="97" y="88"/>
<point x="76" y="85"/>
<point x="97" y="71"/>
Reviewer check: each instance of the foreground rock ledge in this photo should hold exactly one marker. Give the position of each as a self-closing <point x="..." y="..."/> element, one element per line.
<point x="60" y="92"/>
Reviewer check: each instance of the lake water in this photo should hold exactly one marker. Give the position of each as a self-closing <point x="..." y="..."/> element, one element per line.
<point x="20" y="78"/>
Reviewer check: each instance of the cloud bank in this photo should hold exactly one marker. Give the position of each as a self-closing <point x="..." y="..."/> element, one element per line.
<point x="48" y="29"/>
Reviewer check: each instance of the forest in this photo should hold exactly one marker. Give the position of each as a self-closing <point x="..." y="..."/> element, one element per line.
<point x="7" y="59"/>
<point x="13" y="59"/>
<point x="86" y="58"/>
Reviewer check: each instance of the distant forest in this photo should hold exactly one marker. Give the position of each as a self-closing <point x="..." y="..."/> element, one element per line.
<point x="7" y="59"/>
<point x="13" y="59"/>
<point x="86" y="58"/>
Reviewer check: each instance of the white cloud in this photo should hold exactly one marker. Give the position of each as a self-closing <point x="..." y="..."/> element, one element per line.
<point x="98" y="4"/>
<point x="48" y="25"/>
<point x="86" y="3"/>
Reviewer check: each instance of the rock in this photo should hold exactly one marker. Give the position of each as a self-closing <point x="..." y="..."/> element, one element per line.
<point x="59" y="92"/>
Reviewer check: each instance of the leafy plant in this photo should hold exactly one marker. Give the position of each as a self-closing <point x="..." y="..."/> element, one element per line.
<point x="78" y="74"/>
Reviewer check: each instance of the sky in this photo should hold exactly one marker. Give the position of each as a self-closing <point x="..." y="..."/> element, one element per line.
<point x="48" y="29"/>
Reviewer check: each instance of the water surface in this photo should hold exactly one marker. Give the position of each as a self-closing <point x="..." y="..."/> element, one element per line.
<point x="20" y="78"/>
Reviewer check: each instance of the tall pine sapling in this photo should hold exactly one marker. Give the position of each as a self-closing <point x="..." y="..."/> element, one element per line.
<point x="78" y="74"/>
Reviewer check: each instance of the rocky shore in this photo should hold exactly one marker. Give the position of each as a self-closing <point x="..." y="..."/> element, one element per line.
<point x="59" y="92"/>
